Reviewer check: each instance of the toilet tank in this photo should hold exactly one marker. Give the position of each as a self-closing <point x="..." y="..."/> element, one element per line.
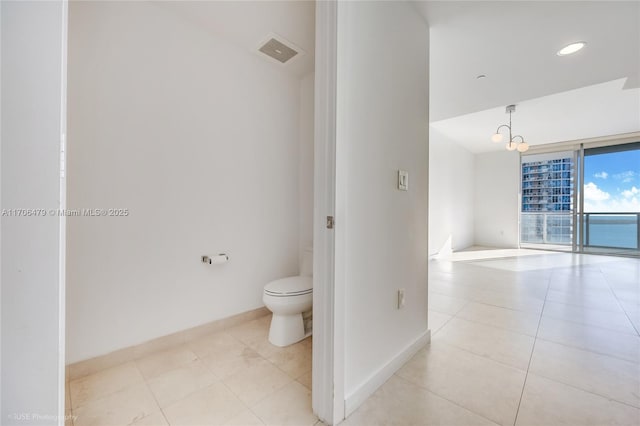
<point x="306" y="264"/>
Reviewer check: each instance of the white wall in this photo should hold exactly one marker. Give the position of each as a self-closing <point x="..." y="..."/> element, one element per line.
<point x="305" y="166"/>
<point x="199" y="140"/>
<point x="32" y="106"/>
<point x="497" y="184"/>
<point x="451" y="194"/>
<point x="381" y="232"/>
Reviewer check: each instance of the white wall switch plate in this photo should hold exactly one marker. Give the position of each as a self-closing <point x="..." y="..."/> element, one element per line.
<point x="403" y="180"/>
<point x="400" y="298"/>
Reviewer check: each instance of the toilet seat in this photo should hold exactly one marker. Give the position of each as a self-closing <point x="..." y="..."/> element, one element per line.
<point x="290" y="286"/>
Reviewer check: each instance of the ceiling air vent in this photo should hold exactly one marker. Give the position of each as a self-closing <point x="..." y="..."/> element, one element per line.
<point x="278" y="50"/>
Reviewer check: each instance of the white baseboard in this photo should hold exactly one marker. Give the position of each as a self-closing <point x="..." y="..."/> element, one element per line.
<point x="83" y="368"/>
<point x="366" y="389"/>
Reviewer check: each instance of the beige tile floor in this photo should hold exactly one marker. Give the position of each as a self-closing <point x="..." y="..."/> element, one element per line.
<point x="532" y="338"/>
<point x="235" y="377"/>
<point x="539" y="339"/>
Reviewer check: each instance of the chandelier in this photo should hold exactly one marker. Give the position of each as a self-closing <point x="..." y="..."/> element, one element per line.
<point x="513" y="143"/>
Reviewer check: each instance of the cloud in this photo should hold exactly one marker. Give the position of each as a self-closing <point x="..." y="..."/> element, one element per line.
<point x="593" y="193"/>
<point x="597" y="200"/>
<point x="620" y="205"/>
<point x="602" y="175"/>
<point x="629" y="193"/>
<point x="625" y="177"/>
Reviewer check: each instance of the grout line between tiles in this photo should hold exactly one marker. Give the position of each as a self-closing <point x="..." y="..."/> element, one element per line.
<point x="511" y="309"/>
<point x="507" y="330"/>
<point x="449" y="313"/>
<point x="592" y="351"/>
<point x="620" y="304"/>
<point x="257" y="416"/>
<point x="533" y="348"/>
<point x="245" y="405"/>
<point x="267" y="396"/>
<point x="218" y="379"/>
<point x="502" y="364"/>
<point x="222" y="381"/>
<point x="594" y="326"/>
<point x="188" y="394"/>
<point x="130" y="385"/>
<point x="443" y="324"/>
<point x="198" y="358"/>
<point x="587" y="307"/>
<point x="637" y="407"/>
<point x="445" y="398"/>
<point x="156" y="400"/>
<point x="549" y="282"/>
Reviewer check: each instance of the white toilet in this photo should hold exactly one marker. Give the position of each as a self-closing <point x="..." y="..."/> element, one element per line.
<point x="288" y="298"/>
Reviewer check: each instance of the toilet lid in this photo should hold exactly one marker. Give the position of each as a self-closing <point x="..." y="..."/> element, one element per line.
<point x="291" y="286"/>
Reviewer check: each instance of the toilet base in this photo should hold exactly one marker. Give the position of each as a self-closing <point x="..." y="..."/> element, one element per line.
<point x="286" y="330"/>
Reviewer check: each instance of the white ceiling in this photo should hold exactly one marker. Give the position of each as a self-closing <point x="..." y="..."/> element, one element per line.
<point x="512" y="42"/>
<point x="590" y="94"/>
<point x="599" y="110"/>
<point x="249" y="23"/>
<point x="515" y="43"/>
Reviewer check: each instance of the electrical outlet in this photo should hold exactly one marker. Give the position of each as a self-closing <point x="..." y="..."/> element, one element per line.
<point x="400" y="298"/>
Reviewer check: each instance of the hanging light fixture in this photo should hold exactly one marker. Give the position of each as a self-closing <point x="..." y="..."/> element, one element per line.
<point x="512" y="144"/>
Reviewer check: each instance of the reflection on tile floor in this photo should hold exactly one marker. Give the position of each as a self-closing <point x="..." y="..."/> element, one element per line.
<point x="541" y="339"/>
<point x="234" y="377"/>
<point x="544" y="339"/>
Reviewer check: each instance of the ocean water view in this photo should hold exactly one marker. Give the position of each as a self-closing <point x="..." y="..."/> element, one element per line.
<point x="601" y="230"/>
<point x="611" y="231"/>
<point x="606" y="235"/>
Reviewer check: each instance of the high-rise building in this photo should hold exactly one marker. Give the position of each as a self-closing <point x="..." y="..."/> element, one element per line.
<point x="547" y="200"/>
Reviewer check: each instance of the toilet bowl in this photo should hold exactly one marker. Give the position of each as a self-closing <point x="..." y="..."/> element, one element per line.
<point x="288" y="298"/>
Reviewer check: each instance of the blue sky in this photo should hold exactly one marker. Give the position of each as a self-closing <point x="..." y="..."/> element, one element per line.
<point x="612" y="182"/>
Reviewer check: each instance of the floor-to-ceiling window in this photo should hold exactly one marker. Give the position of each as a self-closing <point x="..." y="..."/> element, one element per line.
<point x="611" y="191"/>
<point x="584" y="200"/>
<point x="547" y="202"/>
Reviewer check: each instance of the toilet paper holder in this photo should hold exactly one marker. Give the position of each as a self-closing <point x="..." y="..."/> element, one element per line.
<point x="215" y="259"/>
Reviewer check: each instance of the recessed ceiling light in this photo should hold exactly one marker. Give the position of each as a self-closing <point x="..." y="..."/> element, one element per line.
<point x="571" y="48"/>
